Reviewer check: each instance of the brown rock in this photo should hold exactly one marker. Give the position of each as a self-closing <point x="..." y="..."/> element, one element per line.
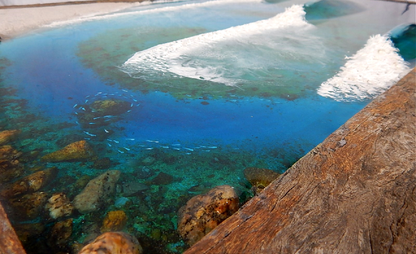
<point x="30" y="183"/>
<point x="203" y="213"/>
<point x="354" y="193"/>
<point x="77" y="151"/>
<point x="61" y="232"/>
<point x="114" y="221"/>
<point x="260" y="178"/>
<point x="97" y="192"/>
<point x="28" y="206"/>
<point x="8" y="135"/>
<point x="114" y="243"/>
<point x="10" y="167"/>
<point x="59" y="206"/>
<point x="26" y="231"/>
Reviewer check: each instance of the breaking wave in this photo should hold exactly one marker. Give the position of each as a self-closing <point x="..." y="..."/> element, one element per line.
<point x="368" y="73"/>
<point x="172" y="57"/>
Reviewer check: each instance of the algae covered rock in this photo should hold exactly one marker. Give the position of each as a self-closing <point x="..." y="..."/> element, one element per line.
<point x="203" y="213"/>
<point x="30" y="183"/>
<point x="97" y="192"/>
<point x="260" y="178"/>
<point x="8" y="135"/>
<point x="10" y="167"/>
<point x="114" y="243"/>
<point x="59" y="206"/>
<point x="114" y="221"/>
<point x="28" y="206"/>
<point x="77" y="151"/>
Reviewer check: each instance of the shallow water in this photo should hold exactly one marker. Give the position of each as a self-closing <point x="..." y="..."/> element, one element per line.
<point x="211" y="88"/>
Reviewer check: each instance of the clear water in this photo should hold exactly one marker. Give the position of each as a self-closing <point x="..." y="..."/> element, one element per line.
<point x="204" y="111"/>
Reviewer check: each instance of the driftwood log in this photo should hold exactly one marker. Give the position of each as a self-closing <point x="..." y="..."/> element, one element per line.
<point x="354" y="193"/>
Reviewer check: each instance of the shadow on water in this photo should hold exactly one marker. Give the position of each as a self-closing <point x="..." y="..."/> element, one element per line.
<point x="404" y="38"/>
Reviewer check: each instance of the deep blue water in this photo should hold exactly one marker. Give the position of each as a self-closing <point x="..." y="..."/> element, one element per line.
<point x="51" y="72"/>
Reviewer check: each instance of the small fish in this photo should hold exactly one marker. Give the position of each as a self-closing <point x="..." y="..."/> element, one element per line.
<point x="91" y="123"/>
<point x="98" y="93"/>
<point x="212" y="147"/>
<point x="128" y="149"/>
<point x="75" y="105"/>
<point x="86" y="101"/>
<point x="152" y="141"/>
<point x="98" y="117"/>
<point x="134" y="100"/>
<point x="89" y="134"/>
<point x="177" y="149"/>
<point x="124" y="90"/>
<point x="189" y="149"/>
<point x="176" y="144"/>
<point x="128" y="111"/>
<point x="165" y="147"/>
<point x="106" y="131"/>
<point x="115" y="141"/>
<point x="76" y="113"/>
<point x="88" y="96"/>
<point x="129" y="138"/>
<point x="149" y="148"/>
<point x="120" y="151"/>
<point x="109" y="145"/>
<point x="131" y="105"/>
<point x="82" y="108"/>
<point x="138" y="105"/>
<point x="188" y="153"/>
<point x="108" y="116"/>
<point x="77" y="122"/>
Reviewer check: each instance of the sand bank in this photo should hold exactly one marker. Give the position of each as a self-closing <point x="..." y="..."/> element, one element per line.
<point x="18" y="21"/>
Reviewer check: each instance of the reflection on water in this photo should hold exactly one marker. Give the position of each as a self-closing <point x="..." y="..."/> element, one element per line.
<point x="86" y="148"/>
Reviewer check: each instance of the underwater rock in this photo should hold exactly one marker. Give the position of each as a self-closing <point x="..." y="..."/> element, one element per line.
<point x="10" y="167"/>
<point x="59" y="206"/>
<point x="102" y="112"/>
<point x="103" y="163"/>
<point x="97" y="191"/>
<point x="77" y="151"/>
<point x="203" y="213"/>
<point x="148" y="160"/>
<point x="114" y="243"/>
<point x="259" y="178"/>
<point x="60" y="233"/>
<point x="8" y="135"/>
<point x="162" y="179"/>
<point x="28" y="206"/>
<point x="114" y="221"/>
<point x="133" y="188"/>
<point x="30" y="183"/>
<point x="27" y="231"/>
<point x="143" y="173"/>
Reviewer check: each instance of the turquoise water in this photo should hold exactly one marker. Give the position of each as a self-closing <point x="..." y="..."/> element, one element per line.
<point x="203" y="112"/>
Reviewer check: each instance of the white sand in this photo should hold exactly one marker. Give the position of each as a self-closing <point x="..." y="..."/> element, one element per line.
<point x="18" y="21"/>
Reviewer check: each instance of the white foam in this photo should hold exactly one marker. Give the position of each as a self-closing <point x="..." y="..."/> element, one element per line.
<point x="368" y="73"/>
<point x="167" y="57"/>
<point x="101" y="16"/>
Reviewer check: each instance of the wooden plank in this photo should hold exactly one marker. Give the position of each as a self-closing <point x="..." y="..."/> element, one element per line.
<point x="354" y="193"/>
<point x="9" y="243"/>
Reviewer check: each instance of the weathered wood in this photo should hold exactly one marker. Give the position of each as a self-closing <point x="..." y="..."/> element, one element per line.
<point x="354" y="193"/>
<point x="9" y="243"/>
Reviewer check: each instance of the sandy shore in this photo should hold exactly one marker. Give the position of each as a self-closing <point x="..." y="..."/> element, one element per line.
<point x="18" y="21"/>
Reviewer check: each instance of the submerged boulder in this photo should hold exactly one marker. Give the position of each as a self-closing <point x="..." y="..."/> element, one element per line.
<point x="59" y="206"/>
<point x="29" y="206"/>
<point x="114" y="243"/>
<point x="203" y="213"/>
<point x="97" y="192"/>
<point x="30" y="183"/>
<point x="8" y="135"/>
<point x="77" y="151"/>
<point x="10" y="167"/>
<point x="260" y="178"/>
